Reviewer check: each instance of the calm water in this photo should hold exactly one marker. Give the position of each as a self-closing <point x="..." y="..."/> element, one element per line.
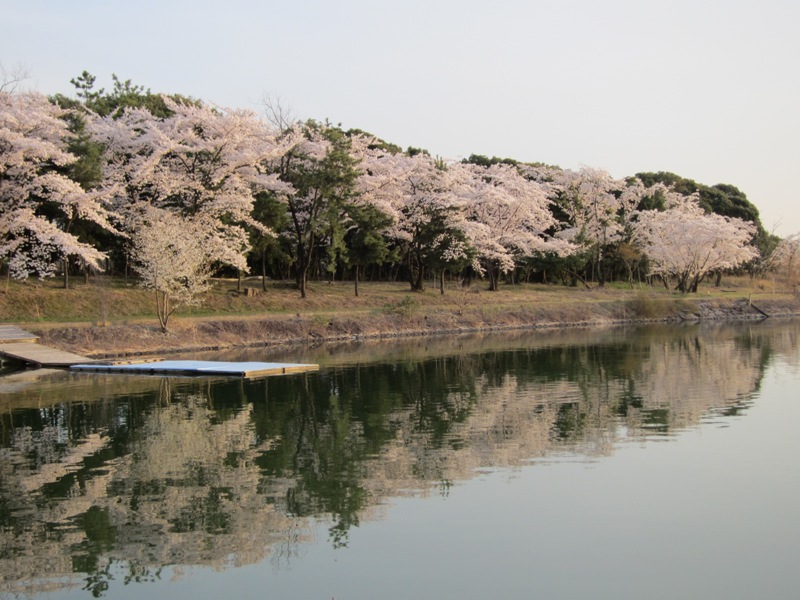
<point x="635" y="463"/>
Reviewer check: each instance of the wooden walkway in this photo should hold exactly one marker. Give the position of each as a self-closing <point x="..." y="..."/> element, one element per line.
<point x="12" y="333"/>
<point x="41" y="356"/>
<point x="21" y="345"/>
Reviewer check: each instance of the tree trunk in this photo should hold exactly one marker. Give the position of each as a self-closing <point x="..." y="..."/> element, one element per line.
<point x="356" y="282"/>
<point x="304" y="264"/>
<point x="683" y="281"/>
<point x="302" y="270"/>
<point x="302" y="285"/>
<point x="601" y="276"/>
<point x="66" y="272"/>
<point x="162" y="308"/>
<point x="263" y="270"/>
<point x="302" y="274"/>
<point x="416" y="273"/>
<point x="419" y="284"/>
<point x="441" y="282"/>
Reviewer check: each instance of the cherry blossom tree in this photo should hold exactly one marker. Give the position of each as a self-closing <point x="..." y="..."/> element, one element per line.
<point x="423" y="197"/>
<point x="686" y="243"/>
<point x="201" y="163"/>
<point x="508" y="216"/>
<point x="385" y="176"/>
<point x="39" y="204"/>
<point x="448" y="216"/>
<point x="172" y="256"/>
<point x="785" y="259"/>
<point x="589" y="199"/>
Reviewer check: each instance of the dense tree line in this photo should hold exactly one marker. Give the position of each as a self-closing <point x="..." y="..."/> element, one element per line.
<point x="178" y="190"/>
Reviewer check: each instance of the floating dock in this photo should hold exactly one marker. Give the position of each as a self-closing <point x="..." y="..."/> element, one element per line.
<point x="20" y="345"/>
<point x="198" y="367"/>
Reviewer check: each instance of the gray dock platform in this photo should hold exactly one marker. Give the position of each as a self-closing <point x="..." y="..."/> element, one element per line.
<point x="20" y="345"/>
<point x="198" y="367"/>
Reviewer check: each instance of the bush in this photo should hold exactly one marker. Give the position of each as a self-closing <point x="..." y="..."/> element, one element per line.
<point x="646" y="306"/>
<point x="403" y="307"/>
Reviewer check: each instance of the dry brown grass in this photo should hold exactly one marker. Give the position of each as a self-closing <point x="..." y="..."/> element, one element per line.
<point x="106" y="300"/>
<point x="108" y="316"/>
<point x="112" y="300"/>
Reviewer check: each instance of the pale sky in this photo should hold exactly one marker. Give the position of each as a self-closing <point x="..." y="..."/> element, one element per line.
<point x="709" y="90"/>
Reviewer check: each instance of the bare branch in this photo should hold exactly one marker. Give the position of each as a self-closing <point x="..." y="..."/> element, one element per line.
<point x="11" y="78"/>
<point x="277" y="113"/>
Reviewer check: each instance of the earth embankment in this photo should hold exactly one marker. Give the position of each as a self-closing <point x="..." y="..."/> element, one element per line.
<point x="403" y="318"/>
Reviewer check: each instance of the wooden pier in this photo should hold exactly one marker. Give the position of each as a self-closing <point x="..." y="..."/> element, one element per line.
<point x="18" y="344"/>
<point x="40" y="356"/>
<point x="12" y="333"/>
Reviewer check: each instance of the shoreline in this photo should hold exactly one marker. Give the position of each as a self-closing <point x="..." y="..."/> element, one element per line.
<point x="142" y="339"/>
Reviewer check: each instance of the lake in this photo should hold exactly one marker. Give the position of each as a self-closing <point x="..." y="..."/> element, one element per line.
<point x="637" y="462"/>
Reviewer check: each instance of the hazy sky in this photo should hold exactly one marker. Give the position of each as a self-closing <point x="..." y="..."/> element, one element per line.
<point x="709" y="90"/>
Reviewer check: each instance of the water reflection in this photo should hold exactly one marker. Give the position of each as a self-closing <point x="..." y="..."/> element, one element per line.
<point x="107" y="476"/>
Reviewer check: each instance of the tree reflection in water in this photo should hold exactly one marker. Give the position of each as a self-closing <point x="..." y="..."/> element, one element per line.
<point x="116" y="477"/>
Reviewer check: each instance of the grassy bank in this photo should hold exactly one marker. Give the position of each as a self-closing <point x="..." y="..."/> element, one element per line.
<point x="110" y="317"/>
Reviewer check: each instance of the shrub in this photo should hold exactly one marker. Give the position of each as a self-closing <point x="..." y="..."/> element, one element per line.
<point x="645" y="306"/>
<point x="403" y="307"/>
